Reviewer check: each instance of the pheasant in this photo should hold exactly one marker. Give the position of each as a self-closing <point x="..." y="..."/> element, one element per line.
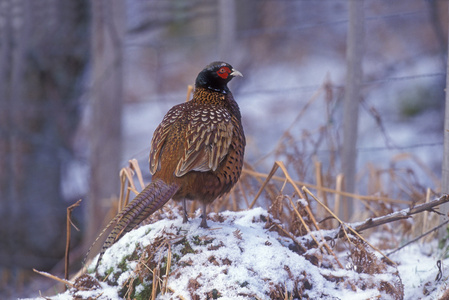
<point x="196" y="153"/>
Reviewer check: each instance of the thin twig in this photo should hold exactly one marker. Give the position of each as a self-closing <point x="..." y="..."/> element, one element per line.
<point x="134" y="165"/>
<point x="289" y="179"/>
<point x="189" y="92"/>
<point x="419" y="237"/>
<point x="426" y="213"/>
<point x="270" y="175"/>
<point x="319" y="181"/>
<point x="48" y="275"/>
<point x="156" y="272"/>
<point x="337" y="201"/>
<point x="121" y="197"/>
<point x="69" y="231"/>
<point x="126" y="174"/>
<point x="167" y="270"/>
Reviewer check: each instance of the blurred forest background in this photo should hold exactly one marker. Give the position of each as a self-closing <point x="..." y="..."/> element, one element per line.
<point x="83" y="85"/>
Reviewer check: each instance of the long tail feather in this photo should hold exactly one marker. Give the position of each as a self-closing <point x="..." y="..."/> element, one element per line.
<point x="152" y="198"/>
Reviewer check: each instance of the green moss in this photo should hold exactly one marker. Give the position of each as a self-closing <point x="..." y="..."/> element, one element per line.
<point x="145" y="293"/>
<point x="91" y="270"/>
<point x="201" y="242"/>
<point x="111" y="279"/>
<point x="123" y="265"/>
<point x="443" y="244"/>
<point x="187" y="248"/>
<point x="109" y="271"/>
<point x="136" y="253"/>
<point x="175" y="257"/>
<point x="215" y="294"/>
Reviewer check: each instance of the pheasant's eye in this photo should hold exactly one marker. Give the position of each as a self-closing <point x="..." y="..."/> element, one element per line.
<point x="224" y="72"/>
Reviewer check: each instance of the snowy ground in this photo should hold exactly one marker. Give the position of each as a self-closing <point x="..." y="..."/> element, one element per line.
<point x="240" y="258"/>
<point x="417" y="265"/>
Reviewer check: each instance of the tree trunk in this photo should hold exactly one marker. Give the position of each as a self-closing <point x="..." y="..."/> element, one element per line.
<point x="106" y="111"/>
<point x="42" y="57"/>
<point x="352" y="99"/>
<point x="226" y="28"/>
<point x="442" y="233"/>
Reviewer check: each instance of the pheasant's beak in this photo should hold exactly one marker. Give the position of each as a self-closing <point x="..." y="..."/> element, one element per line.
<point x="236" y="73"/>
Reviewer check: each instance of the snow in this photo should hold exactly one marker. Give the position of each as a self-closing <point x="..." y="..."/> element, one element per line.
<point x="107" y="292"/>
<point x="250" y="258"/>
<point x="238" y="257"/>
<point x="417" y="265"/>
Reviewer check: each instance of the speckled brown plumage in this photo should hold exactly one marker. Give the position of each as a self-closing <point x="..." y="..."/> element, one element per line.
<point x="199" y="146"/>
<point x="196" y="152"/>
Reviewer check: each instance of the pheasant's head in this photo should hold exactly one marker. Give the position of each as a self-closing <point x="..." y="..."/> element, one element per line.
<point x="216" y="76"/>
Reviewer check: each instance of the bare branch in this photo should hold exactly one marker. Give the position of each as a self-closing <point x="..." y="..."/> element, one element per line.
<point x="396" y="216"/>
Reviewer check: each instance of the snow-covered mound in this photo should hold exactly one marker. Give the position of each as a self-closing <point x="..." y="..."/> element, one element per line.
<point x="243" y="255"/>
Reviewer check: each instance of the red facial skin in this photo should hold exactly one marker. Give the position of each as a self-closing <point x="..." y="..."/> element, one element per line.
<point x="224" y="72"/>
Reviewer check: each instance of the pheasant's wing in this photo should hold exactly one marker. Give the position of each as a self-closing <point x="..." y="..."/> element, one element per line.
<point x="208" y="137"/>
<point x="160" y="136"/>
